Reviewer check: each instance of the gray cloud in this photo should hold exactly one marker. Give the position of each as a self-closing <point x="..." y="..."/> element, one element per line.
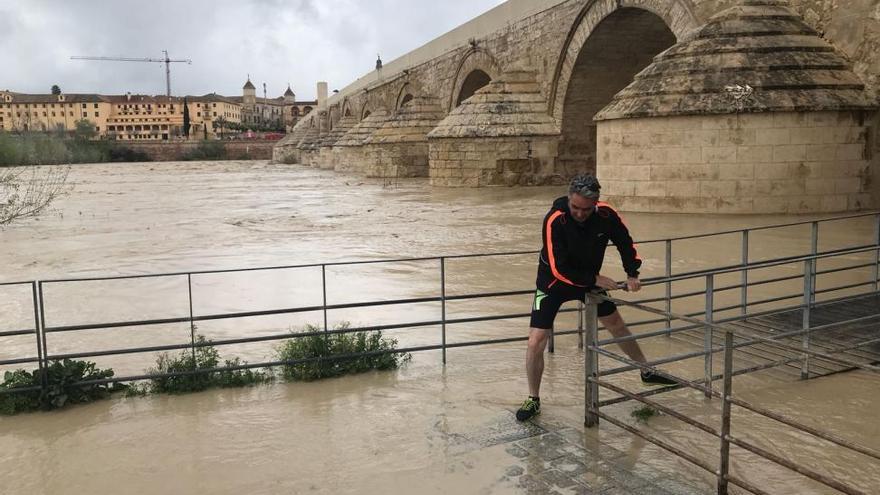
<point x="276" y="41"/>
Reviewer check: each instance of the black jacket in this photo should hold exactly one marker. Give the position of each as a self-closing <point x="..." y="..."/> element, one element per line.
<point x="573" y="252"/>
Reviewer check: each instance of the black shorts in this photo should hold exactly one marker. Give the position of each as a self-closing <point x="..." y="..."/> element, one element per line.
<point x="546" y="304"/>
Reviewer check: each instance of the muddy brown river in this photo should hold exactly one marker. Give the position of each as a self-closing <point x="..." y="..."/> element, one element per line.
<point x="386" y="432"/>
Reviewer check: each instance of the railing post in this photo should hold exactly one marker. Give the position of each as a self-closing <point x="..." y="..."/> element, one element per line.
<point x="668" y="287"/>
<point x="744" y="276"/>
<point x="443" y="306"/>
<point x="580" y="325"/>
<point x="42" y="304"/>
<point x="724" y="468"/>
<point x="814" y="249"/>
<point x="192" y="324"/>
<point x="707" y="334"/>
<point x="877" y="253"/>
<point x="805" y="324"/>
<point x="324" y="293"/>
<point x="591" y="362"/>
<point x="38" y="333"/>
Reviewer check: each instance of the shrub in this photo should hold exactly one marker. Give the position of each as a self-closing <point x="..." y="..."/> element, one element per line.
<point x="205" y="357"/>
<point x="644" y="413"/>
<point x="61" y="389"/>
<point x="120" y="153"/>
<point x="327" y="354"/>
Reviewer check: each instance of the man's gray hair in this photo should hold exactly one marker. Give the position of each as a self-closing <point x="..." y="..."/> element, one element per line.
<point x="587" y="185"/>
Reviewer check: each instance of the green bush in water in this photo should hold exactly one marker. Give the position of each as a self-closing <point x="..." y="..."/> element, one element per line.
<point x="369" y="350"/>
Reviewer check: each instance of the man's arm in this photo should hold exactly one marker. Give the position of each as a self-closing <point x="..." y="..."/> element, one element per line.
<point x="628" y="254"/>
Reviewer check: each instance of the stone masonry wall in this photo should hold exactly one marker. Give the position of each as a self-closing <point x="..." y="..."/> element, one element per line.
<point x="235" y="150"/>
<point x="749" y="163"/>
<point x="492" y="162"/>
<point x="397" y="160"/>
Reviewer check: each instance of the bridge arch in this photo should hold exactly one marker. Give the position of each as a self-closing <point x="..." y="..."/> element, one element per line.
<point x="678" y="15"/>
<point x="476" y="69"/>
<point x="609" y="43"/>
<point x="404" y="95"/>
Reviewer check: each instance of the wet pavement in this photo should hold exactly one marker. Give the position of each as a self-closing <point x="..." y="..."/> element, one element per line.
<point x="545" y="457"/>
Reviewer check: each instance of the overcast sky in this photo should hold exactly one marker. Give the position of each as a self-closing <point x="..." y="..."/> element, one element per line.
<point x="275" y="41"/>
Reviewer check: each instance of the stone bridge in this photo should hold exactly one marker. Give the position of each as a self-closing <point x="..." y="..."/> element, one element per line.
<point x="746" y="106"/>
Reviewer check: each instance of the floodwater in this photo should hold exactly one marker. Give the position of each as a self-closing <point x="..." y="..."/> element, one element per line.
<point x="377" y="432"/>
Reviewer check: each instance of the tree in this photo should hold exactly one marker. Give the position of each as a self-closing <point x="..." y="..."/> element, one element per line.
<point x="28" y="191"/>
<point x="56" y="90"/>
<point x="185" y="118"/>
<point x="84" y="130"/>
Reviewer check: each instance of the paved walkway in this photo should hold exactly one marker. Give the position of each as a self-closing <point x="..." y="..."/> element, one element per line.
<point x="544" y="457"/>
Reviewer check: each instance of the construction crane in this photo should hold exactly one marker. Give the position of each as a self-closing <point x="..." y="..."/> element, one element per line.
<point x="167" y="61"/>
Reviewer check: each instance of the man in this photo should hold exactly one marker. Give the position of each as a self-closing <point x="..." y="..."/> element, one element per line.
<point x="576" y="232"/>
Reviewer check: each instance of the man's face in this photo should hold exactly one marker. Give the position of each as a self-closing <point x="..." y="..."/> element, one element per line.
<point x="581" y="207"/>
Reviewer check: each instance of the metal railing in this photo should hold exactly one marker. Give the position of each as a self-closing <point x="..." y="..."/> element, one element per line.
<point x="802" y="353"/>
<point x="42" y="327"/>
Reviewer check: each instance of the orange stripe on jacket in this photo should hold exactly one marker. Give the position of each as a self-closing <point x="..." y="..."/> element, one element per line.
<point x="549" y="242"/>
<point x="635" y="246"/>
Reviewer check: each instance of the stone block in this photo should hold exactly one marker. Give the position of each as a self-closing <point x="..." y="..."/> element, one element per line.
<point x="736" y="171"/>
<point x="850" y="152"/>
<point x="650" y="156"/>
<point x="635" y="140"/>
<point x="719" y="154"/>
<point x="848" y="185"/>
<point x="780" y="187"/>
<point x="704" y="137"/>
<point x="709" y="122"/>
<point x="619" y="187"/>
<point x="756" y="121"/>
<point x="862" y="202"/>
<point x="622" y="157"/>
<point x="739" y="137"/>
<point x="812" y="135"/>
<point x="685" y="172"/>
<point x="789" y="153"/>
<point x="790" y="119"/>
<point x="833" y="203"/>
<point x="684" y="155"/>
<point x="683" y="188"/>
<point x="850" y="135"/>
<point x="773" y="136"/>
<point x="754" y="154"/>
<point x="820" y="152"/>
<point x="717" y="188"/>
<point x="659" y="139"/>
<point x="650" y="188"/>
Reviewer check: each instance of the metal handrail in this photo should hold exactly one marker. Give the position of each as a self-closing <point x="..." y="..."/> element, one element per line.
<point x="730" y="328"/>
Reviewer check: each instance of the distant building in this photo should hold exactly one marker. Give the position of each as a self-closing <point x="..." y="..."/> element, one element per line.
<point x="282" y="111"/>
<point x="142" y="117"/>
<point x="44" y="113"/>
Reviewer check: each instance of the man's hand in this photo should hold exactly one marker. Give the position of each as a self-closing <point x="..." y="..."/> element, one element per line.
<point x="633" y="284"/>
<point x="606" y="283"/>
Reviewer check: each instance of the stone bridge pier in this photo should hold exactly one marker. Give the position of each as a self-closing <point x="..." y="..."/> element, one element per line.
<point x="716" y="106"/>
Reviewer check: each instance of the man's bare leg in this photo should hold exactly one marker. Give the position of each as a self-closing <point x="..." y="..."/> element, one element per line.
<point x="535" y="359"/>
<point x="615" y="324"/>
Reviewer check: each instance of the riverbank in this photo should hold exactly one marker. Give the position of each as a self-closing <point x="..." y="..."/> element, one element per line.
<point x="50" y="149"/>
